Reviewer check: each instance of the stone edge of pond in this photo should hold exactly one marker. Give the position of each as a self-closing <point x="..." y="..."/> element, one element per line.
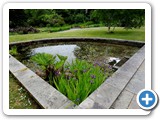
<point x="45" y="95"/>
<point x="99" y="40"/>
<point x="104" y="96"/>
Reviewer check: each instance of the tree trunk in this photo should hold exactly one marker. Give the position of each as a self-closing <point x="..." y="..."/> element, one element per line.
<point x="109" y="28"/>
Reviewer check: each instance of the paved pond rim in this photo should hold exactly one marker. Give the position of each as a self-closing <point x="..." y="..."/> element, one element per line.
<point x="65" y="102"/>
<point x="134" y="43"/>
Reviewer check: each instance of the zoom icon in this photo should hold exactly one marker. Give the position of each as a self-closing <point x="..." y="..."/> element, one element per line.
<point x="147" y="99"/>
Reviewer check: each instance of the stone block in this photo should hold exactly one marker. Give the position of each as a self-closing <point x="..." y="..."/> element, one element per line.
<point x="105" y="95"/>
<point x="68" y="105"/>
<point x="90" y="104"/>
<point x="133" y="104"/>
<point x="135" y="86"/>
<point x="123" y="101"/>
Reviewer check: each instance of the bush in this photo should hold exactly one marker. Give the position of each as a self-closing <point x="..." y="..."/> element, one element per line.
<point x="79" y="18"/>
<point x="57" y="29"/>
<point x="24" y="30"/>
<point x="13" y="51"/>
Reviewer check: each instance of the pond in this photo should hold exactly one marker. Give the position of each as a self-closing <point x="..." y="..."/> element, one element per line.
<point x="100" y="53"/>
<point x="87" y="66"/>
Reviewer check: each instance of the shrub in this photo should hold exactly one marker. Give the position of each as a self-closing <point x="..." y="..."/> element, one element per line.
<point x="24" y="30"/>
<point x="13" y="51"/>
<point x="79" y="18"/>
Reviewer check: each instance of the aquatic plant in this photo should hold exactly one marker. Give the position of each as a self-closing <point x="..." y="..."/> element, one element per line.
<point x="43" y="60"/>
<point x="76" y="80"/>
<point x="13" y="51"/>
<point x="79" y="80"/>
<point x="49" y="65"/>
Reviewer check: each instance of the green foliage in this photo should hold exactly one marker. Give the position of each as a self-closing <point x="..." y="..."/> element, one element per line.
<point x="79" y="18"/>
<point x="49" y="65"/>
<point x="13" y="51"/>
<point x="42" y="17"/>
<point x="17" y="18"/>
<point x="79" y="80"/>
<point x="127" y="18"/>
<point x="60" y="64"/>
<point x="120" y="17"/>
<point x="57" y="29"/>
<point x="43" y="60"/>
<point x="76" y="80"/>
<point x="64" y="58"/>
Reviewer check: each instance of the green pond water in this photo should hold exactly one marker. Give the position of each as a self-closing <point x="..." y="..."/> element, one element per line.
<point x="96" y="53"/>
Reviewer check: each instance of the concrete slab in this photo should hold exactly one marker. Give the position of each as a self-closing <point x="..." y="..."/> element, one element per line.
<point x="90" y="104"/>
<point x="137" y="82"/>
<point x="123" y="100"/>
<point x="68" y="105"/>
<point x="133" y="104"/>
<point x="135" y="86"/>
<point x="105" y="95"/>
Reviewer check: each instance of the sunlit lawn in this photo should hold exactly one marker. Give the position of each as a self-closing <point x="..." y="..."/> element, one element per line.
<point x="120" y="33"/>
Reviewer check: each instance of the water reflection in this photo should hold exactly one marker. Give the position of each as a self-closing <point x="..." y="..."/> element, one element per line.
<point x="65" y="50"/>
<point x="101" y="53"/>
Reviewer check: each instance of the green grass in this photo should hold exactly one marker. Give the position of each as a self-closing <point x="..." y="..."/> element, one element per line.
<point x="120" y="33"/>
<point x="54" y="29"/>
<point x="19" y="98"/>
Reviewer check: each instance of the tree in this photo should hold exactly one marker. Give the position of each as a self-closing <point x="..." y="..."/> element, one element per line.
<point x="17" y="18"/>
<point x="133" y="18"/>
<point x="44" y="17"/>
<point x="127" y="18"/>
<point x="109" y="17"/>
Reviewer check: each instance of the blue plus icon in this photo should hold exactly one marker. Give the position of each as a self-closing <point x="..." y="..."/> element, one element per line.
<point x="147" y="99"/>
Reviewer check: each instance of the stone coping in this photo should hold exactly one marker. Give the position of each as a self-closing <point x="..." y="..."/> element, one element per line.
<point x="110" y="90"/>
<point x="100" y="40"/>
<point x="102" y="98"/>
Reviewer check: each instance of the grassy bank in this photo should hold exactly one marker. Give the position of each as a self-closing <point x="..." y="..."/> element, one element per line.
<point x="120" y="33"/>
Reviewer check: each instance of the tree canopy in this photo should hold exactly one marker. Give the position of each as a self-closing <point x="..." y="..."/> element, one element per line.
<point x="127" y="18"/>
<point x="132" y="18"/>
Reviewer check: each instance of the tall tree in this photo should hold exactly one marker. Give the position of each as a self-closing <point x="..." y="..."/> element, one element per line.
<point x="133" y="18"/>
<point x="128" y="18"/>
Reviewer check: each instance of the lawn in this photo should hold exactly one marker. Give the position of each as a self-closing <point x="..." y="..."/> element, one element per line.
<point x="20" y="98"/>
<point x="120" y="33"/>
